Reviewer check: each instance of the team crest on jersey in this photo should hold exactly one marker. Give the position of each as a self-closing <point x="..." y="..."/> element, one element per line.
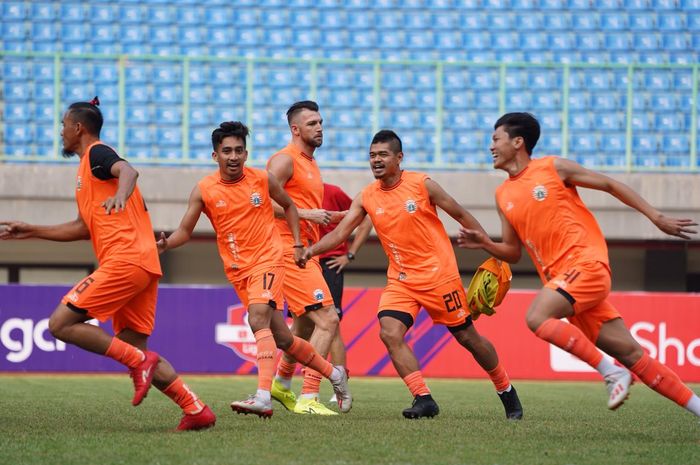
<point x="255" y="199"/>
<point x="318" y="295"/>
<point x="402" y="276"/>
<point x="411" y="206"/>
<point x="539" y="193"/>
<point x="509" y="206"/>
<point x="220" y="203"/>
<point x="379" y="211"/>
<point x="79" y="183"/>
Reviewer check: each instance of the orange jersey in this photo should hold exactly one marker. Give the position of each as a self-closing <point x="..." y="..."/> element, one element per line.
<point x="413" y="237"/>
<point x="125" y="236"/>
<point x="305" y="188"/>
<point x="242" y="216"/>
<point x="550" y="219"/>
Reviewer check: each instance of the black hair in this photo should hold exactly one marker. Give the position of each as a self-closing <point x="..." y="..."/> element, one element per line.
<point x="299" y="106"/>
<point x="521" y="125"/>
<point x="389" y="136"/>
<point x="87" y="114"/>
<point x="229" y="129"/>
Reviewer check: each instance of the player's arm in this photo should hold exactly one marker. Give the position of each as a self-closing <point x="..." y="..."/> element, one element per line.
<point x="75" y="230"/>
<point x="182" y="234"/>
<point x="574" y="174"/>
<point x="445" y="201"/>
<point x="280" y="197"/>
<point x="127" y="176"/>
<point x="354" y="217"/>
<point x="508" y="250"/>
<point x="361" y="234"/>
<point x="282" y="168"/>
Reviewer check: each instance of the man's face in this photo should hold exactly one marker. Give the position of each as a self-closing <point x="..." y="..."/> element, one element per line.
<point x="231" y="157"/>
<point x="383" y="160"/>
<point x="308" y="125"/>
<point x="503" y="148"/>
<point x="70" y="134"/>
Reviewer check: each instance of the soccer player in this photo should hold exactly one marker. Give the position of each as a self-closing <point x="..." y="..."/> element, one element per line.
<point x="237" y="201"/>
<point x="571" y="256"/>
<point x="334" y="261"/>
<point x="112" y="213"/>
<point x="422" y="269"/>
<point x="306" y="292"/>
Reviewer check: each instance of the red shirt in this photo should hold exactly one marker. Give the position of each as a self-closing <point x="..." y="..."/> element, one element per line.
<point x="334" y="199"/>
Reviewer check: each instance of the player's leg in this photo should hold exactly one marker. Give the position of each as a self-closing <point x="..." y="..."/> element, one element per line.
<point x="615" y="339"/>
<point x="335" y="281"/>
<point x="302" y="351"/>
<point x="102" y="295"/>
<point x="325" y="323"/>
<point x="446" y="306"/>
<point x="393" y="327"/>
<point x="133" y="324"/>
<point x="583" y="302"/>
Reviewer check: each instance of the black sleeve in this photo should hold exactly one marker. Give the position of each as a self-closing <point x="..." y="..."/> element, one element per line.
<point x="102" y="158"/>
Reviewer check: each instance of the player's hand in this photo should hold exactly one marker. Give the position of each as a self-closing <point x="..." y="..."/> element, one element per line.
<point x="15" y="230"/>
<point x="305" y="257"/>
<point x="471" y="238"/>
<point x="339" y="262"/>
<point x="162" y="243"/>
<point x="299" y="259"/>
<point x="676" y="226"/>
<point x="318" y="216"/>
<point x="337" y="217"/>
<point x="116" y="203"/>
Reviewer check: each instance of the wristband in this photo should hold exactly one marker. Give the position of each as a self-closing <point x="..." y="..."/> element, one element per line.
<point x="298" y="246"/>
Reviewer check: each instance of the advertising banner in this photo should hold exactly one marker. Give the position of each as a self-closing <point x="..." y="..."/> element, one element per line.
<point x="204" y="330"/>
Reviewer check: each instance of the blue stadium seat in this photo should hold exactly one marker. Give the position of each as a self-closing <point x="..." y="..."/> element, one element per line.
<point x="484" y="78"/>
<point x="402" y="79"/>
<point x="190" y="15"/>
<point x="12" y="11"/>
<point x="448" y="39"/>
<point x="73" y="12"/>
<point x="645" y="143"/>
<point x="618" y="41"/>
<point x="486" y="101"/>
<point x="562" y="41"/>
<point x="477" y="41"/>
<point x="139" y="114"/>
<point x="549" y="120"/>
<point x="169" y="114"/>
<point x="580" y="121"/>
<point x="18" y="133"/>
<point x="676" y="41"/>
<point x="43" y="112"/>
<point x="671" y="22"/>
<point x="676" y="143"/>
<point x="138" y="135"/>
<point x="136" y="93"/>
<point x="534" y="40"/>
<point x="672" y="121"/>
<point x="160" y="15"/>
<point x="472" y="21"/>
<point x="131" y="14"/>
<point x="583" y="143"/>
<point x="21" y="91"/>
<point x="16" y="112"/>
<point x="425" y="99"/>
<point x="16" y="70"/>
<point x="167" y="73"/>
<point x="505" y="41"/>
<point x="110" y="134"/>
<point x="169" y="136"/>
<point x="107" y="48"/>
<point x="546" y="101"/>
<point x="613" y="142"/>
<point x="460" y="120"/>
<point x="218" y="16"/>
<point x="459" y="99"/>
<point x="665" y="101"/>
<point x="646" y="41"/>
<point x="105" y="73"/>
<point x="598" y="80"/>
<point x="518" y="101"/>
<point x="641" y="122"/>
<point x="545" y="79"/>
<point x="133" y="34"/>
<point x="14" y="31"/>
<point x="664" y="4"/>
<point x="142" y="151"/>
<point x="609" y="121"/>
<point x="101" y="14"/>
<point x="43" y="32"/>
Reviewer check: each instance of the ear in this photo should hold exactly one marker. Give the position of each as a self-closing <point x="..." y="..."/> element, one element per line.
<point x="214" y="156"/>
<point x="518" y="142"/>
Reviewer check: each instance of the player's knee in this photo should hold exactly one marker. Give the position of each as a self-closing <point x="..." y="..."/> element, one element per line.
<point x="57" y="327"/>
<point x="534" y="320"/>
<point x="390" y="338"/>
<point x="328" y="322"/>
<point x="283" y="341"/>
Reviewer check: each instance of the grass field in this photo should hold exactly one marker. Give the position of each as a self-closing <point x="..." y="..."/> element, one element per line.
<point x="85" y="420"/>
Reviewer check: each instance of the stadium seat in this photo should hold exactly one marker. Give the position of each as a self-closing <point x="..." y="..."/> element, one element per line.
<point x="136" y="93"/>
<point x="545" y="101"/>
<point x="669" y="121"/>
<point x="676" y="143"/>
<point x="18" y="133"/>
<point x="618" y="41"/>
<point x="580" y="121"/>
<point x="15" y="10"/>
<point x="21" y="91"/>
<point x="645" y="143"/>
<point x="72" y="12"/>
<point x="614" y="142"/>
<point x="610" y="121"/>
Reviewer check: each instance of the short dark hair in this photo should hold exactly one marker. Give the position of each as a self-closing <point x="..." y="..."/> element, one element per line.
<point x="521" y="125"/>
<point x="88" y="115"/>
<point x="389" y="136"/>
<point x="229" y="129"/>
<point x="299" y="106"/>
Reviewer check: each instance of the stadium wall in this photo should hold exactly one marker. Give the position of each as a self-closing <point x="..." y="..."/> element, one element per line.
<point x="204" y="330"/>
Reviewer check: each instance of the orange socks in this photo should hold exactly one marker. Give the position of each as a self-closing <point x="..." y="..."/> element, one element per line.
<point x="662" y="380"/>
<point x="569" y="338"/>
<point x="312" y="383"/>
<point x="125" y="353"/>
<point x="499" y="377"/>
<point x="286" y="369"/>
<point x="305" y="354"/>
<point x="182" y="396"/>
<point x="265" y="358"/>
<point x="415" y="384"/>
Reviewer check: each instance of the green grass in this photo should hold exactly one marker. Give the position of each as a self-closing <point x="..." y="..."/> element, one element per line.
<point x="86" y="420"/>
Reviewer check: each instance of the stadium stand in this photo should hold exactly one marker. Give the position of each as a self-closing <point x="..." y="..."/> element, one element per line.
<point x="585" y="117"/>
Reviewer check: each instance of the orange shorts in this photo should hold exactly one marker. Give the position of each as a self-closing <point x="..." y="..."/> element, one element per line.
<point x="124" y="292"/>
<point x="586" y="286"/>
<point x="305" y="289"/>
<point x="446" y="304"/>
<point x="264" y="286"/>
